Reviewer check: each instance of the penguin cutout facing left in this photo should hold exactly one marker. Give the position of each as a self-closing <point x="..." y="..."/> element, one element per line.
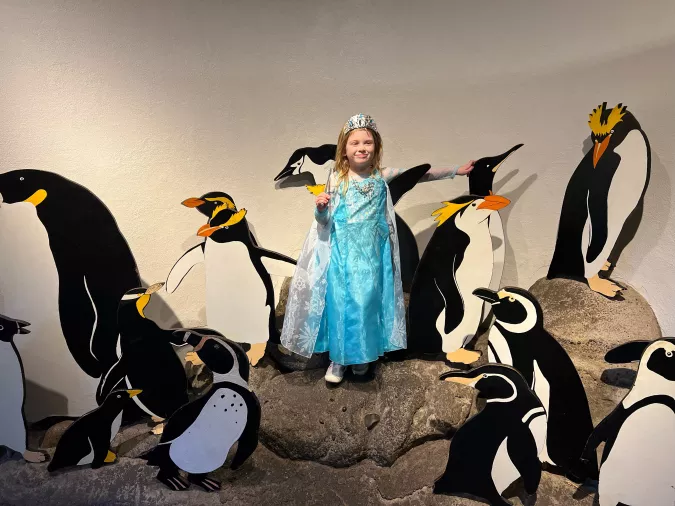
<point x="443" y="314"/>
<point x="518" y="338"/>
<point x="12" y="391"/>
<point x="499" y="444"/>
<point x="199" y="436"/>
<point x="322" y="158"/>
<point x="639" y="435"/>
<point x="87" y="440"/>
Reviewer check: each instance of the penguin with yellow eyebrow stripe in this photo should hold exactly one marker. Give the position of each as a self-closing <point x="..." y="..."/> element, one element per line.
<point x="239" y="291"/>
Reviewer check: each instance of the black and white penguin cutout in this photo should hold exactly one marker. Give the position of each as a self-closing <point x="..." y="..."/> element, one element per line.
<point x="443" y="314"/>
<point x="239" y="292"/>
<point x="639" y="435"/>
<point x="518" y="338"/>
<point x="87" y="440"/>
<point x="316" y="161"/>
<point x="198" y="437"/>
<point x="94" y="263"/>
<point x="501" y="443"/>
<point x="607" y="188"/>
<point x="12" y="391"/>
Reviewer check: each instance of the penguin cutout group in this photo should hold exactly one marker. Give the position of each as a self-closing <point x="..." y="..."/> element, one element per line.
<point x="443" y="314"/>
<point x="605" y="190"/>
<point x="93" y="260"/>
<point x="12" y="391"/>
<point x="518" y="338"/>
<point x="199" y="436"/>
<point x="639" y="454"/>
<point x="87" y="440"/>
<point x="239" y="291"/>
<point x="501" y="443"/>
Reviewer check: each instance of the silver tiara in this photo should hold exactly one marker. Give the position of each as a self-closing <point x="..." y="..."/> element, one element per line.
<point x="360" y="121"/>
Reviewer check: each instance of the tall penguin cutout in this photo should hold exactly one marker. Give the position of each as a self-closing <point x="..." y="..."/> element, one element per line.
<point x="12" y="388"/>
<point x="442" y="313"/>
<point x="199" y="435"/>
<point x="604" y="191"/>
<point x="93" y="260"/>
<point x="639" y="435"/>
<point x="239" y="292"/>
<point x="518" y="338"/>
<point x="501" y="443"/>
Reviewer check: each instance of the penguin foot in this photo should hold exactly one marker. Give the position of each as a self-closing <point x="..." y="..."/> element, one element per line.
<point x="158" y="429"/>
<point x="606" y="267"/>
<point x="463" y="356"/>
<point x="34" y="457"/>
<point x="203" y="481"/>
<point x="193" y="358"/>
<point x="157" y="419"/>
<point x="256" y="352"/>
<point x="110" y="458"/>
<point x="603" y="286"/>
<point x="173" y="481"/>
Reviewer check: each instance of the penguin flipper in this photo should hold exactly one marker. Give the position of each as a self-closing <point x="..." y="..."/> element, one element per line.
<point x="100" y="442"/>
<point x="454" y="304"/>
<point x="110" y="380"/>
<point x="190" y="258"/>
<point x="276" y="263"/>
<point x="248" y="441"/>
<point x="597" y="213"/>
<point x="523" y="453"/>
<point x="406" y="181"/>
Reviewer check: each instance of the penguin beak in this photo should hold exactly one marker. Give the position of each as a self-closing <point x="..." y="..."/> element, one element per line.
<point x="599" y="149"/>
<point x="154" y="288"/>
<point x="463" y="378"/>
<point x="37" y="198"/>
<point x="206" y="230"/>
<point x="133" y="393"/>
<point x="506" y="155"/>
<point x="193" y="202"/>
<point x="22" y="327"/>
<point x="489" y="296"/>
<point x="494" y="202"/>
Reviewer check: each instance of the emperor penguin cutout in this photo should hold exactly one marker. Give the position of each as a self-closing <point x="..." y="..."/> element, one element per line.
<point x="501" y="443"/>
<point x="639" y="455"/>
<point x="93" y="260"/>
<point x="12" y="391"/>
<point x="87" y="440"/>
<point x="443" y="315"/>
<point x="239" y="291"/>
<point x="518" y="338"/>
<point x="199" y="435"/>
<point x="606" y="189"/>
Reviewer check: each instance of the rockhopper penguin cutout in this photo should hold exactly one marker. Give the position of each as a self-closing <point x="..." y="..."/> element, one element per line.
<point x="603" y="199"/>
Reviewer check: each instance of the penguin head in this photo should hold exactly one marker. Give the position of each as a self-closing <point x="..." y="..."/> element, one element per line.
<point x="209" y="202"/>
<point x="318" y="155"/>
<point x="468" y="211"/>
<point x="10" y="327"/>
<point x="226" y="224"/>
<point x="116" y="400"/>
<point x="28" y="185"/>
<point x="483" y="173"/>
<point x="609" y="127"/>
<point x="494" y="382"/>
<point x="136" y="299"/>
<point x="224" y="359"/>
<point x="517" y="310"/>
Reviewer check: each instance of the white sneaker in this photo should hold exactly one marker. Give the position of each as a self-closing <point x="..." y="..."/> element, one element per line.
<point x="360" y="369"/>
<point x="335" y="373"/>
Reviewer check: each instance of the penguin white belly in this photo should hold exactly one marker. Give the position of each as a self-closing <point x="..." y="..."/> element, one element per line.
<point x="89" y="457"/>
<point x="639" y="469"/>
<point x="542" y="388"/>
<point x="497" y="342"/>
<point x="12" y="426"/>
<point x="503" y="471"/>
<point x="203" y="447"/>
<point x="235" y="294"/>
<point x="114" y="429"/>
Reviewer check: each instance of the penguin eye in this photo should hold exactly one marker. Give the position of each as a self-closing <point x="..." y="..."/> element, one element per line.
<point x="21" y="178"/>
<point x="512" y="298"/>
<point x="485" y="376"/>
<point x="119" y="396"/>
<point x="473" y="205"/>
<point x="2" y="328"/>
<point x="611" y="131"/>
<point x="488" y="166"/>
<point x="217" y="346"/>
<point x="669" y="354"/>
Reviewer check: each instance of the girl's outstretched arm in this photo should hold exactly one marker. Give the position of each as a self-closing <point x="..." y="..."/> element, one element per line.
<point x="433" y="174"/>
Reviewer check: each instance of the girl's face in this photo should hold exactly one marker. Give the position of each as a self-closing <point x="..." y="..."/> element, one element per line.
<point x="360" y="149"/>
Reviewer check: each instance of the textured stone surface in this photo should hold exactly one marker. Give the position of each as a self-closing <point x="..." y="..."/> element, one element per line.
<point x="54" y="433"/>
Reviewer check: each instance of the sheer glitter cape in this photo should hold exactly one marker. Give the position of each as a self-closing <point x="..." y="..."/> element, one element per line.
<point x="307" y="294"/>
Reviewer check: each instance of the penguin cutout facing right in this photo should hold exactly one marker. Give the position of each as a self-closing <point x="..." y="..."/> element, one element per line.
<point x="87" y="440"/>
<point x="518" y="338"/>
<point x="639" y="435"/>
<point x="199" y="436"/>
<point x="499" y="444"/>
<point x="443" y="315"/>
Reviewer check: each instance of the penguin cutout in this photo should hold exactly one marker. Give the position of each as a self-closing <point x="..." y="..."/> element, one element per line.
<point x="639" y="455"/>
<point x="606" y="189"/>
<point x="239" y="292"/>
<point x="87" y="440"/>
<point x="501" y="443"/>
<point x="12" y="391"/>
<point x="518" y="338"/>
<point x="322" y="159"/>
<point x="442" y="313"/>
<point x="93" y="260"/>
<point x="199" y="436"/>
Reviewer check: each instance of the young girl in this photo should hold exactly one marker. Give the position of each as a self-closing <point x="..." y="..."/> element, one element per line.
<point x="346" y="296"/>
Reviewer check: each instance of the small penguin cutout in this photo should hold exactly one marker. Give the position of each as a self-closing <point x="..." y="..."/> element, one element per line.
<point x="603" y="200"/>
<point x="239" y="291"/>
<point x="87" y="440"/>
<point x="501" y="443"/>
<point x="639" y="435"/>
<point x="518" y="338"/>
<point x="444" y="316"/>
<point x="199" y="436"/>
<point x="12" y="391"/>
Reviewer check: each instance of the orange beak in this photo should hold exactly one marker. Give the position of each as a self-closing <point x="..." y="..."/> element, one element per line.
<point x="192" y="202"/>
<point x="494" y="202"/>
<point x="206" y="230"/>
<point x="599" y="149"/>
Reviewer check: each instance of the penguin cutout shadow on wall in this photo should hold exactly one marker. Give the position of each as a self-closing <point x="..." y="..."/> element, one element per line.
<point x="501" y="443"/>
<point x="518" y="338"/>
<point x="93" y="260"/>
<point x="199" y="436"/>
<point x="639" y="455"/>
<point x="87" y="440"/>
<point x="12" y="391"/>
<point x="443" y="315"/>
<point x="239" y="291"/>
<point x="606" y="188"/>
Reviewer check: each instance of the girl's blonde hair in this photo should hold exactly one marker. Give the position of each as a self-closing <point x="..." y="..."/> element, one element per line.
<point x="341" y="162"/>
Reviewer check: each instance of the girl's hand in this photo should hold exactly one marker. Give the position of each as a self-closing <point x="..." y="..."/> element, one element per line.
<point x="466" y="168"/>
<point x="322" y="201"/>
